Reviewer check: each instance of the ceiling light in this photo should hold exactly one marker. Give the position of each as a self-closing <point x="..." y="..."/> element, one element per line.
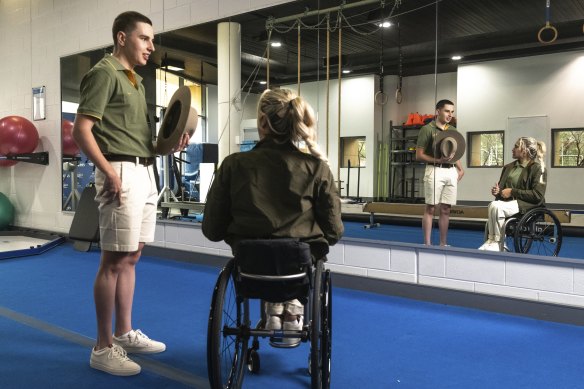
<point x="173" y="64"/>
<point x="456" y="57"/>
<point x="276" y="44"/>
<point x="346" y="71"/>
<point x="263" y="82"/>
<point x="385" y="24"/>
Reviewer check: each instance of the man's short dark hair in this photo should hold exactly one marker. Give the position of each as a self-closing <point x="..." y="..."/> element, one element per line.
<point x="442" y="103"/>
<point x="126" y="22"/>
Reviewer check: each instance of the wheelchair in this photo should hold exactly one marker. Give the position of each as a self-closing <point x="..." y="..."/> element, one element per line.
<point x="271" y="270"/>
<point x="537" y="231"/>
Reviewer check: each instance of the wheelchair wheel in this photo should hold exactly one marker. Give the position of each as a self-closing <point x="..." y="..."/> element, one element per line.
<point x="539" y="232"/>
<point x="321" y="329"/>
<point x="226" y="347"/>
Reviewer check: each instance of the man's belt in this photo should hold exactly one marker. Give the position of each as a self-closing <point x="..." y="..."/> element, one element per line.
<point x="444" y="165"/>
<point x="146" y="161"/>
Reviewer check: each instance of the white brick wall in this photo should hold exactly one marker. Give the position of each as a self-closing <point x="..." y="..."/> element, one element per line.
<point x="550" y="280"/>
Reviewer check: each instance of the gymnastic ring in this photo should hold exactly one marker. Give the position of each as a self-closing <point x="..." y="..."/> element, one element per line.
<point x="380" y="98"/>
<point x="398" y="96"/>
<point x="548" y="26"/>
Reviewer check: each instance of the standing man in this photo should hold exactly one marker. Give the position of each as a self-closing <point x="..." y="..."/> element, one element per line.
<point x="441" y="177"/>
<point x="111" y="128"/>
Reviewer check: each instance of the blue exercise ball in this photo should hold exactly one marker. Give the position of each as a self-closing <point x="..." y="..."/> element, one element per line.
<point x="6" y="212"/>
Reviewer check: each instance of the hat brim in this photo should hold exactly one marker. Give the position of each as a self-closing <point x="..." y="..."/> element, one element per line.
<point x="180" y="118"/>
<point x="454" y="137"/>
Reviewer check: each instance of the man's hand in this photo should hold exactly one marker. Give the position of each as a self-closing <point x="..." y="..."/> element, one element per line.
<point x="182" y="143"/>
<point x="112" y="189"/>
<point x="460" y="174"/>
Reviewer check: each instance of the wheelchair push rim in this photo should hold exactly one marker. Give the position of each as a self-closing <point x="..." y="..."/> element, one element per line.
<point x="226" y="350"/>
<point x="538" y="232"/>
<point x="321" y="329"/>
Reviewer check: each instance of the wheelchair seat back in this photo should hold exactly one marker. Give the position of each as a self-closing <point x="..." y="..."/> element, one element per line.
<point x="273" y="270"/>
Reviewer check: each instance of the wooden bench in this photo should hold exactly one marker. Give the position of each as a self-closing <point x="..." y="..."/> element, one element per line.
<point x="463" y="211"/>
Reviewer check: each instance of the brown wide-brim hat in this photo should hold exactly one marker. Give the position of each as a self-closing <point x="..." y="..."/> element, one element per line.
<point x="450" y="142"/>
<point x="180" y="117"/>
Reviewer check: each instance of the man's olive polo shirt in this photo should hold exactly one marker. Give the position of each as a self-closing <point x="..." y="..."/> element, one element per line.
<point x="108" y="95"/>
<point x="426" y="138"/>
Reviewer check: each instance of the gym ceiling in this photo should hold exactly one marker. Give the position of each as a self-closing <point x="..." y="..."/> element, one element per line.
<point x="477" y="30"/>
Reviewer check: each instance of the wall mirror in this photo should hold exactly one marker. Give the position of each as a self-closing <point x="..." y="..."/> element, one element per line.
<point x="394" y="58"/>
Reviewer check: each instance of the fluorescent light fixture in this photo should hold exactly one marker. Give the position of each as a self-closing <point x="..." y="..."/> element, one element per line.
<point x="174" y="65"/>
<point x="263" y="82"/>
<point x="456" y="57"/>
<point x="385" y="24"/>
<point x="346" y="71"/>
<point x="276" y="44"/>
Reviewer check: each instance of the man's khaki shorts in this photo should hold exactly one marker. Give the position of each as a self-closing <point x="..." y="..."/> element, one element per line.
<point x="440" y="185"/>
<point x="123" y="226"/>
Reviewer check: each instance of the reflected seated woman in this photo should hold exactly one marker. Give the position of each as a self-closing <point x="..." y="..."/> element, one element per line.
<point x="521" y="187"/>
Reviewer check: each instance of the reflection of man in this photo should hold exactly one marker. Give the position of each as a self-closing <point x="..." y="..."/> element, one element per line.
<point x="441" y="177"/>
<point x="112" y="130"/>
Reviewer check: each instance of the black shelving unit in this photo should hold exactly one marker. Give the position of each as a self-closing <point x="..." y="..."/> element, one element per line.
<point x="405" y="173"/>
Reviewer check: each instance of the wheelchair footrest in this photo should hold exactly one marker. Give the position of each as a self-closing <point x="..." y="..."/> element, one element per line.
<point x="279" y="343"/>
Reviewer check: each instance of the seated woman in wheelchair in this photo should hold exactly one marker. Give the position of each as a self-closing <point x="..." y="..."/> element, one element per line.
<point x="521" y="187"/>
<point x="276" y="190"/>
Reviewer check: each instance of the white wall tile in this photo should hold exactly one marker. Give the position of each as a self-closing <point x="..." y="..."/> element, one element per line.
<point x="367" y="255"/>
<point x="233" y="7"/>
<point x="560" y="298"/>
<point x="392" y="276"/>
<point x="204" y="11"/>
<point x="507" y="291"/>
<point x="474" y="268"/>
<point x="540" y="276"/>
<point x="446" y="283"/>
<point x="431" y="263"/>
<point x="579" y="281"/>
<point x="337" y="254"/>
<point x="402" y="261"/>
<point x="357" y="271"/>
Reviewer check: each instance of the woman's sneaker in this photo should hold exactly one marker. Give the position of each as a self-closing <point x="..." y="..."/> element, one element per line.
<point x="113" y="360"/>
<point x="138" y="343"/>
<point x="292" y="325"/>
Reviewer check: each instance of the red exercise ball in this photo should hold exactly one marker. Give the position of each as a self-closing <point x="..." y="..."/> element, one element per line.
<point x="70" y="148"/>
<point x="17" y="136"/>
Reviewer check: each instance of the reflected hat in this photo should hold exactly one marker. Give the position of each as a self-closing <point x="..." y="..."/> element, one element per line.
<point x="180" y="117"/>
<point x="450" y="142"/>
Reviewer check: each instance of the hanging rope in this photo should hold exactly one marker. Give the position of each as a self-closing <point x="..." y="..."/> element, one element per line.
<point x="298" y="92"/>
<point x="380" y="96"/>
<point x="547" y="26"/>
<point x="328" y="78"/>
<point x="268" y="59"/>
<point x="339" y="105"/>
<point x="398" y="91"/>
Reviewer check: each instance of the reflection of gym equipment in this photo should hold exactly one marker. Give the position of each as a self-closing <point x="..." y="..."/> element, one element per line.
<point x="85" y="226"/>
<point x="70" y="165"/>
<point x="273" y="270"/>
<point x="18" y="139"/>
<point x="178" y="118"/>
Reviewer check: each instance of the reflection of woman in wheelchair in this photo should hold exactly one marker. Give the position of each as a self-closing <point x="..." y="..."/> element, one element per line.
<point x="521" y="188"/>
<point x="279" y="210"/>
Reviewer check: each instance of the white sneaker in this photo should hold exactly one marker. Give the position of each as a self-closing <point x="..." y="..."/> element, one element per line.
<point x="137" y="342"/>
<point x="274" y="323"/>
<point x="490" y="245"/>
<point x="294" y="325"/>
<point x="486" y="244"/>
<point x="113" y="360"/>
